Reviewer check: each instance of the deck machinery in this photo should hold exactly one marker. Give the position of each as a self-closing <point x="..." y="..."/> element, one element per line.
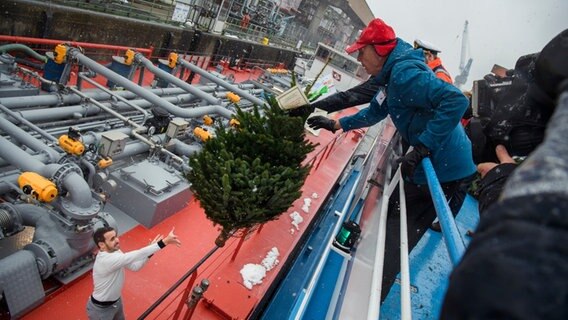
<point x="74" y="158"/>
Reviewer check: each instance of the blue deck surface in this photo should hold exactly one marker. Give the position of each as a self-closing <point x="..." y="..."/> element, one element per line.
<point x="430" y="268"/>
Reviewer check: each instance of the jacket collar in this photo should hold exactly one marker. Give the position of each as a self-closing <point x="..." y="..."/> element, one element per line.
<point x="402" y="52"/>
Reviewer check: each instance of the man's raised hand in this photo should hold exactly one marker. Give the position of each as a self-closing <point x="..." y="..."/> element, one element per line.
<point x="172" y="238"/>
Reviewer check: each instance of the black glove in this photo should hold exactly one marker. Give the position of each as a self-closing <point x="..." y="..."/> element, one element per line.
<point x="303" y="111"/>
<point x="412" y="159"/>
<point x="321" y="122"/>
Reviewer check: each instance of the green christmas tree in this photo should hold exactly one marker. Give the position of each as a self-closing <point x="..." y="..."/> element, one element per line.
<point x="252" y="174"/>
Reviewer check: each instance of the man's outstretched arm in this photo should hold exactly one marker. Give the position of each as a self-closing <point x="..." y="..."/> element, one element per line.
<point x="134" y="260"/>
<point x="360" y="94"/>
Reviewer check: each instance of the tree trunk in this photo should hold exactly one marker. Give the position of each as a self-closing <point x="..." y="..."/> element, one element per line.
<point x="222" y="238"/>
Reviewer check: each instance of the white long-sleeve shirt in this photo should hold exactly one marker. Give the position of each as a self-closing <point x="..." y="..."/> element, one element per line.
<point x="108" y="270"/>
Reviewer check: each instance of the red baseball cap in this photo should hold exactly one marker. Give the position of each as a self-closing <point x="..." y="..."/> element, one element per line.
<point x="377" y="33"/>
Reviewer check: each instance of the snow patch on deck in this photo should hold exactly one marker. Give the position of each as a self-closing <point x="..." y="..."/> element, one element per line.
<point x="254" y="273"/>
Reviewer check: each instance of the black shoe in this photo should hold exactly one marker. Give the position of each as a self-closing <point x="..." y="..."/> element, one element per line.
<point x="436" y="226"/>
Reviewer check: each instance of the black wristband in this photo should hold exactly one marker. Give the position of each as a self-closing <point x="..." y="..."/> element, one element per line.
<point x="161" y="244"/>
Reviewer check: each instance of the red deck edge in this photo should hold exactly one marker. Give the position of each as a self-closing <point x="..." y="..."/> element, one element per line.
<point x="197" y="234"/>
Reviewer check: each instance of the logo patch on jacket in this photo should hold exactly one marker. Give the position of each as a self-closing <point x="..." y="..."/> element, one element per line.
<point x="381" y="96"/>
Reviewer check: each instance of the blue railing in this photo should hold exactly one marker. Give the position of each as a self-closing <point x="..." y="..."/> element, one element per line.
<point x="451" y="235"/>
<point x="298" y="298"/>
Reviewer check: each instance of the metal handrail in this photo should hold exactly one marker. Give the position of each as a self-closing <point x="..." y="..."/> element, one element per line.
<point x="405" y="301"/>
<point x="177" y="284"/>
<point x="373" y="310"/>
<point x="450" y="232"/>
<point x="16" y="39"/>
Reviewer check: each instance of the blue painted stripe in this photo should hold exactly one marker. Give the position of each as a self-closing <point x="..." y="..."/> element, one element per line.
<point x="290" y="291"/>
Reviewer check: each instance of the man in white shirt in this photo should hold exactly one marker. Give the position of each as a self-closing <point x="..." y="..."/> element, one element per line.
<point x="108" y="271"/>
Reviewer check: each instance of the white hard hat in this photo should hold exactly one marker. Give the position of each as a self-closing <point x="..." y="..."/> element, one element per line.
<point x="426" y="46"/>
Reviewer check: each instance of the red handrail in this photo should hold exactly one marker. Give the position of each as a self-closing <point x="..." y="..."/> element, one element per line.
<point x="16" y="39"/>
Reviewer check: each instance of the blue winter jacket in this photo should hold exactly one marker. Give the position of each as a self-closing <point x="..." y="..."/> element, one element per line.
<point x="424" y="109"/>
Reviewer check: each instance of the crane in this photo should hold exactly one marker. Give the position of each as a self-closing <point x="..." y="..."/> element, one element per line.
<point x="461" y="78"/>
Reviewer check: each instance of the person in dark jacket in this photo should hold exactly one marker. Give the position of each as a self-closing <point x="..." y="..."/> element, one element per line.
<point x="426" y="112"/>
<point x="364" y="92"/>
<point x="516" y="266"/>
<point x="493" y="177"/>
<point x="518" y="123"/>
<point x="360" y="94"/>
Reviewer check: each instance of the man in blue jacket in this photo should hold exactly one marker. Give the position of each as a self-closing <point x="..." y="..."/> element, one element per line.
<point x="425" y="110"/>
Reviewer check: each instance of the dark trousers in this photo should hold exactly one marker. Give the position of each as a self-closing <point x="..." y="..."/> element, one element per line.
<point x="114" y="311"/>
<point x="420" y="214"/>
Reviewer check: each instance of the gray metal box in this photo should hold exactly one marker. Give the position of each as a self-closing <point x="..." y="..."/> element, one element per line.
<point x="176" y="127"/>
<point x="112" y="143"/>
<point x="149" y="193"/>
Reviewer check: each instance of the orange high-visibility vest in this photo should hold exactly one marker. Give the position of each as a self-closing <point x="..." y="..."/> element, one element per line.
<point x="440" y="71"/>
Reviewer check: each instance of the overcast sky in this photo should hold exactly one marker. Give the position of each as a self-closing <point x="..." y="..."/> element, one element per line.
<point x="499" y="30"/>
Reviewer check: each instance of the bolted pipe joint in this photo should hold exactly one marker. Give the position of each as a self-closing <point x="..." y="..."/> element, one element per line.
<point x="80" y="213"/>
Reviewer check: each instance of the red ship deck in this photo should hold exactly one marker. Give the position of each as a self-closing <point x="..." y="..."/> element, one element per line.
<point x="227" y="294"/>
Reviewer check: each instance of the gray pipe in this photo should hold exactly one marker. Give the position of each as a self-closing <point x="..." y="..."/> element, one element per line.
<point x="27" y="139"/>
<point x="80" y="204"/>
<point x="18" y="157"/>
<point x="131" y="149"/>
<point x="10" y="181"/>
<point x="59" y="99"/>
<point x="64" y="99"/>
<point x="182" y="148"/>
<point x="56" y="247"/>
<point x="79" y="190"/>
<point x="132" y="105"/>
<point x="129" y="85"/>
<point x="221" y="82"/>
<point x="53" y="114"/>
<point x="47" y="237"/>
<point x="281" y="81"/>
<point x="91" y="137"/>
<point x="106" y="109"/>
<point x="176" y="81"/>
<point x="138" y="128"/>
<point x="21" y="119"/>
<point x="92" y="171"/>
